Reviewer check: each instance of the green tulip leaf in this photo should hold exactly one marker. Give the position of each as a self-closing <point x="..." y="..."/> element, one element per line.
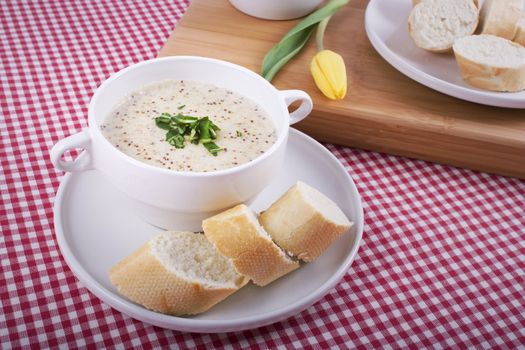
<point x="283" y="52"/>
<point x="293" y="42"/>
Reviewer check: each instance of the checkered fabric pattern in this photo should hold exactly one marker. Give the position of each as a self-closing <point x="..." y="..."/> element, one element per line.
<point x="442" y="264"/>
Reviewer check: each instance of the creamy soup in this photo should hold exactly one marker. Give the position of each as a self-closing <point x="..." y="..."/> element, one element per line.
<point x="246" y="131"/>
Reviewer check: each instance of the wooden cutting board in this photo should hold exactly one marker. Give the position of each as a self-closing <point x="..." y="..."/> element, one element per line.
<point x="384" y="110"/>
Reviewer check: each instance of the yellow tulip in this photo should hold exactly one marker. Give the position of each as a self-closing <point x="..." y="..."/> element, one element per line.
<point x="329" y="72"/>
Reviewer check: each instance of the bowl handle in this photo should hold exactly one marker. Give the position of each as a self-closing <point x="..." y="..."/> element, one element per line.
<point x="83" y="162"/>
<point x="304" y="109"/>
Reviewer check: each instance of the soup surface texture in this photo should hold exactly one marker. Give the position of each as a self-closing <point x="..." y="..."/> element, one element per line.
<point x="246" y="131"/>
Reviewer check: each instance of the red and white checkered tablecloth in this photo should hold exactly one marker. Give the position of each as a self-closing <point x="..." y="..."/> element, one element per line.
<point x="442" y="263"/>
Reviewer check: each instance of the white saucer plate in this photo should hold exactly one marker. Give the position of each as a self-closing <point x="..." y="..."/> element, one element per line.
<point x="387" y="30"/>
<point x="95" y="229"/>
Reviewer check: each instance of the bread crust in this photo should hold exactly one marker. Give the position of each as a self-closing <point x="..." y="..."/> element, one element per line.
<point x="519" y="38"/>
<point x="298" y="227"/>
<point x="500" y="17"/>
<point x="142" y="278"/>
<point x="490" y="77"/>
<point x="235" y="236"/>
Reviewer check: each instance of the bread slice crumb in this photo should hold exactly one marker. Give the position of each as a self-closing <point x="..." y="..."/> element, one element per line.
<point x="434" y="25"/>
<point x="492" y="63"/>
<point x="177" y="273"/>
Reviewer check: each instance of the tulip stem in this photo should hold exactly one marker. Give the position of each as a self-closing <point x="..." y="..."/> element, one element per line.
<point x="319" y="36"/>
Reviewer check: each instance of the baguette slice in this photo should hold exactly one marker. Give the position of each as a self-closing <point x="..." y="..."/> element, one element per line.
<point x="490" y="62"/>
<point x="178" y="273"/>
<point x="500" y="17"/>
<point x="304" y="222"/>
<point x="434" y="25"/>
<point x="237" y="234"/>
<point x="520" y="33"/>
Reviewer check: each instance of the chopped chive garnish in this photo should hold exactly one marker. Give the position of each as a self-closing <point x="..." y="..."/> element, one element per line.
<point x="238" y="133"/>
<point x="181" y="107"/>
<point x="199" y="130"/>
<point x="185" y="119"/>
<point x="212" y="148"/>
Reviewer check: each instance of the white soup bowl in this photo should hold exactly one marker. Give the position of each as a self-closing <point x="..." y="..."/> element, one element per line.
<point x="173" y="199"/>
<point x="276" y="9"/>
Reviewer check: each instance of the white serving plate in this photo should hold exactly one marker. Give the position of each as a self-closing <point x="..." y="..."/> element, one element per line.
<point x="386" y="27"/>
<point x="95" y="229"/>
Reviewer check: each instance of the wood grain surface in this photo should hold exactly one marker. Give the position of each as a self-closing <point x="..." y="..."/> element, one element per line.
<point x="383" y="111"/>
